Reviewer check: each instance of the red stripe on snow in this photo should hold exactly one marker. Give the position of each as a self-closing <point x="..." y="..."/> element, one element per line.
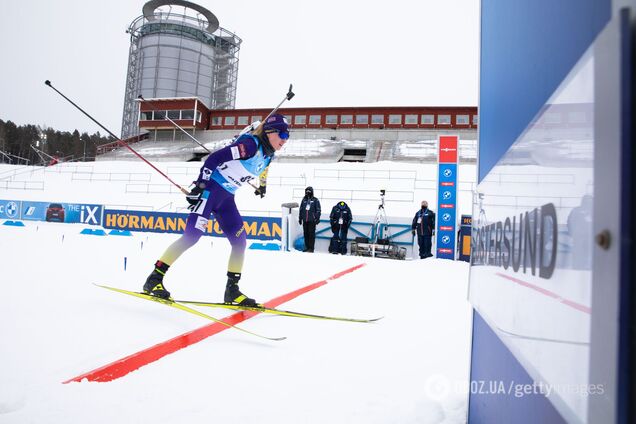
<point x="137" y="360"/>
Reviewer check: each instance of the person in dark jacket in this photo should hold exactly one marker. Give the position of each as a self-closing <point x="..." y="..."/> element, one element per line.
<point x="340" y="219"/>
<point x="424" y="225"/>
<point x="309" y="217"/>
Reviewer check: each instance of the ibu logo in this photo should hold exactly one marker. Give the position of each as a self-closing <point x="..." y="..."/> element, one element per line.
<point x="446" y="240"/>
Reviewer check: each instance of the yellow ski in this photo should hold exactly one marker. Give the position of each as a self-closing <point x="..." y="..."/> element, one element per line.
<point x="275" y="311"/>
<point x="176" y="304"/>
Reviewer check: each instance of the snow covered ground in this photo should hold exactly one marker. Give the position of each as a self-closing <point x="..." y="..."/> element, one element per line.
<point x="55" y="324"/>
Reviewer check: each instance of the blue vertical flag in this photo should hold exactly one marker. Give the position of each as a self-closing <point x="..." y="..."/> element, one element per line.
<point x="446" y="196"/>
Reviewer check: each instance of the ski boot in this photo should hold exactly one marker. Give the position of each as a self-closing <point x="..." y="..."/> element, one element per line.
<point x="232" y="293"/>
<point x="154" y="282"/>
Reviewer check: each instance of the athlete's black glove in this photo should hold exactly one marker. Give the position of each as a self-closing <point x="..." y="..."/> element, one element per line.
<point x="260" y="191"/>
<point x="194" y="196"/>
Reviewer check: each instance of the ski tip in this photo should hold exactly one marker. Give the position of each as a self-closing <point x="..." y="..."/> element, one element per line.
<point x="277" y="339"/>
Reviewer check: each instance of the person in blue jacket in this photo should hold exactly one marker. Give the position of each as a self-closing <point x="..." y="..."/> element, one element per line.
<point x="224" y="171"/>
<point x="340" y="220"/>
<point x="309" y="217"/>
<point x="424" y="225"/>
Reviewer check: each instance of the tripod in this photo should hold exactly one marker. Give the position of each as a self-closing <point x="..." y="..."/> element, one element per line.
<point x="380" y="219"/>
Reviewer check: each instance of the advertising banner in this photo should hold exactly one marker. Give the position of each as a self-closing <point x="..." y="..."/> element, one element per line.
<point x="9" y="209"/>
<point x="446" y="196"/>
<point x="169" y="222"/>
<point x="62" y="212"/>
<point x="70" y="213"/>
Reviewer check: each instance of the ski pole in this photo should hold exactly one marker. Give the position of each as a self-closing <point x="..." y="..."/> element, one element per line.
<point x="119" y="140"/>
<point x="290" y="94"/>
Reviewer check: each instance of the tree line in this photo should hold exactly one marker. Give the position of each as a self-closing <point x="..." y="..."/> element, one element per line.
<point x="34" y="145"/>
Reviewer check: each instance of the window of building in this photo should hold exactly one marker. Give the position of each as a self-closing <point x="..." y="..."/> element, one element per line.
<point x="427" y="120"/>
<point x="331" y="119"/>
<point x="377" y="119"/>
<point x="216" y="120"/>
<point x="145" y="116"/>
<point x="475" y="119"/>
<point x="443" y="119"/>
<point x="174" y="114"/>
<point x="395" y="119"/>
<point x="242" y="120"/>
<point x="362" y="119"/>
<point x="410" y="119"/>
<point x="256" y="118"/>
<point x="288" y="118"/>
<point x="187" y="114"/>
<point x="300" y="119"/>
<point x="199" y="116"/>
<point x="314" y="119"/>
<point x="461" y="120"/>
<point x="346" y="119"/>
<point x="160" y="115"/>
<point x="229" y="120"/>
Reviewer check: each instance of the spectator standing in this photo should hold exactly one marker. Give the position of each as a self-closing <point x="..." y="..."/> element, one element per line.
<point x="340" y="219"/>
<point x="309" y="217"/>
<point x="424" y="225"/>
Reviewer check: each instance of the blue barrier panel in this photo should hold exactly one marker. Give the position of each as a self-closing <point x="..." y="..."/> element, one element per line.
<point x="265" y="246"/>
<point x="119" y="233"/>
<point x="14" y="223"/>
<point x="98" y="232"/>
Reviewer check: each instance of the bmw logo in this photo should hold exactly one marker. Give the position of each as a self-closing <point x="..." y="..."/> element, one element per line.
<point x="12" y="209"/>
<point x="447" y="173"/>
<point x="446" y="195"/>
<point x="445" y="239"/>
<point x="446" y="217"/>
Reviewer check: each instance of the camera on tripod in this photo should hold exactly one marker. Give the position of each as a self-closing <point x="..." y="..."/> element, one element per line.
<point x="378" y="243"/>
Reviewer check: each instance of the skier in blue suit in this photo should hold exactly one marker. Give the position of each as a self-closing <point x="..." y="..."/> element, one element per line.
<point x="224" y="172"/>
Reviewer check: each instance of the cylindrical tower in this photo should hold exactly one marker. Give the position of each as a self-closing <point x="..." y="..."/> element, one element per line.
<point x="179" y="54"/>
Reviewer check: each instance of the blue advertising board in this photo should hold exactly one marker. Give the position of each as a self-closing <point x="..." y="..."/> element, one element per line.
<point x="447" y="197"/>
<point x="72" y="213"/>
<point x="9" y="209"/>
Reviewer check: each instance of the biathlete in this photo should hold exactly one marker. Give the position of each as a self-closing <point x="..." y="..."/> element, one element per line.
<point x="224" y="172"/>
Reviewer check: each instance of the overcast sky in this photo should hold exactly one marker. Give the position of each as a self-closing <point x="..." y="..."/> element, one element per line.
<point x="335" y="52"/>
